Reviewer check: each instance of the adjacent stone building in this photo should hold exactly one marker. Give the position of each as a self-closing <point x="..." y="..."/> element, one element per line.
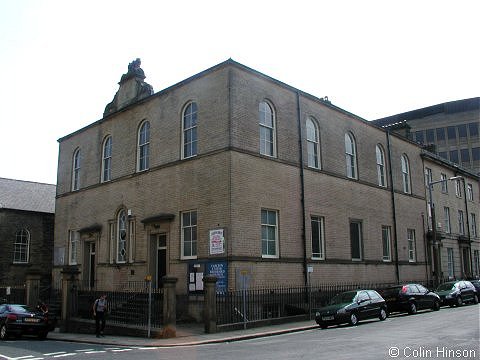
<point x="26" y="231"/>
<point x="233" y="173"/>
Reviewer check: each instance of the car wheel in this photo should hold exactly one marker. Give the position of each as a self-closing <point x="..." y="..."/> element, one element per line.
<point x="42" y="335"/>
<point x="323" y="326"/>
<point x="412" y="308"/>
<point x="3" y="332"/>
<point x="383" y="314"/>
<point x="475" y="299"/>
<point x="353" y="319"/>
<point x="459" y="301"/>
<point x="436" y="306"/>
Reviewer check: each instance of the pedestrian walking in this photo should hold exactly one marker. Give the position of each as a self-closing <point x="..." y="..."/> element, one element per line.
<point x="100" y="308"/>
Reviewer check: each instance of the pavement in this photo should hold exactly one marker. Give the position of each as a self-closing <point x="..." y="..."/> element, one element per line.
<point x="190" y="335"/>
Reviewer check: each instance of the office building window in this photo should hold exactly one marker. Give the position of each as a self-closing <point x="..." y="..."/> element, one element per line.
<point x="451" y="134"/>
<point x="189" y="127"/>
<point x="465" y="155"/>
<point x="21" y="247"/>
<point x="430" y="136"/>
<point x="419" y="137"/>
<point x="462" y="131"/>
<point x="351" y="156"/>
<point x="411" y="244"/>
<point x="356" y="240"/>
<point x="189" y="234"/>
<point x="405" y="174"/>
<point x="318" y="237"/>
<point x="107" y="159"/>
<point x="143" y="151"/>
<point x="473" y="130"/>
<point x="461" y="224"/>
<point x="386" y="242"/>
<point x="269" y="224"/>
<point x="440" y="134"/>
<point x="454" y="156"/>
<point x="380" y="154"/>
<point x="267" y="129"/>
<point x="313" y="144"/>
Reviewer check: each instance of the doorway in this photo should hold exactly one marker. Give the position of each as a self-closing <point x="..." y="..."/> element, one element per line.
<point x="161" y="258"/>
<point x="91" y="264"/>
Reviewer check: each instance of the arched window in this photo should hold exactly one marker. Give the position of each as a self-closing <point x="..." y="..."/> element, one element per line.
<point x="122" y="237"/>
<point x="107" y="159"/>
<point x="76" y="170"/>
<point x="21" y="247"/>
<point x="351" y="156"/>
<point x="189" y="128"/>
<point x="267" y="129"/>
<point x="143" y="151"/>
<point x="380" y="154"/>
<point x="313" y="144"/>
<point x="406" y="174"/>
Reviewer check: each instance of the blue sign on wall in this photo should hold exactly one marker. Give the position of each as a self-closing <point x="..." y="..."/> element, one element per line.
<point x="220" y="270"/>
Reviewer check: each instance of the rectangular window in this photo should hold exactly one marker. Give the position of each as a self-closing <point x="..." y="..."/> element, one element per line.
<point x="411" y="244"/>
<point x="419" y="137"/>
<point x="451" y="133"/>
<point x="356" y="240"/>
<point x="443" y="154"/>
<point x="428" y="177"/>
<point x="450" y="266"/>
<point x="476" y="153"/>
<point x="476" y="262"/>
<point x="189" y="234"/>
<point x="430" y="136"/>
<point x="386" y="241"/>
<point x="318" y="238"/>
<point x="462" y="131"/>
<point x="74" y="237"/>
<point x="454" y="156"/>
<point x="465" y="155"/>
<point x="440" y="134"/>
<point x="458" y="189"/>
<point x="470" y="192"/>
<point x="444" y="183"/>
<point x="461" y="225"/>
<point x="473" y="224"/>
<point x="473" y="130"/>
<point x="21" y="247"/>
<point x="446" y="217"/>
<point x="269" y="223"/>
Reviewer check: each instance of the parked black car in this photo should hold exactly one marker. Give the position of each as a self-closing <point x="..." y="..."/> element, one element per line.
<point x="20" y="320"/>
<point x="476" y="284"/>
<point x="455" y="293"/>
<point x="351" y="307"/>
<point x="410" y="298"/>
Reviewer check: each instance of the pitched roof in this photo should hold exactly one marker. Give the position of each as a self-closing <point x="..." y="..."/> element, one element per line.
<point x="27" y="195"/>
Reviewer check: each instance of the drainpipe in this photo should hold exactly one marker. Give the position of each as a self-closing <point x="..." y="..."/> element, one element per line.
<point x="392" y="192"/>
<point x="302" y="187"/>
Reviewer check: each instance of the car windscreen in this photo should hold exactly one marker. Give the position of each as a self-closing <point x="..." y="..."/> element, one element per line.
<point x="18" y="308"/>
<point x="346" y="297"/>
<point x="446" y="286"/>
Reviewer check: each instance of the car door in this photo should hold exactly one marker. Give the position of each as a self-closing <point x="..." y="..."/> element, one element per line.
<point x="375" y="303"/>
<point x="364" y="306"/>
<point x="425" y="300"/>
<point x="467" y="291"/>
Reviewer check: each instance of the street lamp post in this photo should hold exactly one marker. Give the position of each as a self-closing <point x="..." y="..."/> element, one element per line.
<point x="436" y="245"/>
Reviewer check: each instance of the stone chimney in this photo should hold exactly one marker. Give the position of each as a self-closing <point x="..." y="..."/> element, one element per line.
<point x="132" y="88"/>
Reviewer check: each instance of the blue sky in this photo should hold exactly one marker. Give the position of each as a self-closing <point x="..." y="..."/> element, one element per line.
<point x="60" y="61"/>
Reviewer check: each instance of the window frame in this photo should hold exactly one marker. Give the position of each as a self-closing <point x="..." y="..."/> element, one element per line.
<point x="461" y="222"/>
<point x="387" y="255"/>
<point x="120" y="243"/>
<point x="73" y="246"/>
<point x="444" y="179"/>
<point x="406" y="178"/>
<point x="22" y="247"/>
<point x="473" y="224"/>
<point x="359" y="228"/>
<point x="381" y="168"/>
<point x="76" y="166"/>
<point x="106" y="174"/>
<point x="264" y="127"/>
<point x="351" y="162"/>
<point x="458" y="188"/>
<point x="470" y="192"/>
<point x="446" y="219"/>
<point x="320" y="240"/>
<point x="450" y="263"/>
<point x="190" y="148"/>
<point x="268" y="226"/>
<point x="411" y="245"/>
<point x="143" y="146"/>
<point x="313" y="160"/>
<point x="193" y="227"/>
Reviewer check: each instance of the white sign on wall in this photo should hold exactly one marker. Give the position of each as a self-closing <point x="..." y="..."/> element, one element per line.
<point x="217" y="241"/>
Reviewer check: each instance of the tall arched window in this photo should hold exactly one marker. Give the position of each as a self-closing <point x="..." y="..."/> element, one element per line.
<point x="76" y="170"/>
<point x="313" y="144"/>
<point x="107" y="159"/>
<point x="21" y="247"/>
<point x="122" y="237"/>
<point x="406" y="174"/>
<point x="351" y="156"/>
<point x="380" y="154"/>
<point x="189" y="127"/>
<point x="143" y="151"/>
<point x="267" y="129"/>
